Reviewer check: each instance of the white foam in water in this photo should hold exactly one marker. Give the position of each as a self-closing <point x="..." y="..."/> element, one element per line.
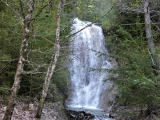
<point x="87" y="61"/>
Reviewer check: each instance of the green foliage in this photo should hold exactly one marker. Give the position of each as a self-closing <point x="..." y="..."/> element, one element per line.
<point x="52" y="94"/>
<point x="137" y="81"/>
<point x="41" y="43"/>
<point x="4" y="90"/>
<point x="60" y="78"/>
<point x="9" y="48"/>
<point x="136" y="3"/>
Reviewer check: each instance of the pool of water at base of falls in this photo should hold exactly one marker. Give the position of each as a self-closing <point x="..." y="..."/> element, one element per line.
<point x="98" y="113"/>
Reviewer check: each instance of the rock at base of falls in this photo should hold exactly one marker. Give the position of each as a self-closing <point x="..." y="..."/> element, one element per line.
<point x="88" y="114"/>
<point x="79" y="115"/>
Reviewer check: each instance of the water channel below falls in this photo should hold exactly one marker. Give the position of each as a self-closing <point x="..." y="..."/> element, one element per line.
<point x="88" y="68"/>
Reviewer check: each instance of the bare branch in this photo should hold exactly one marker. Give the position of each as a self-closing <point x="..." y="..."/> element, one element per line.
<point x="8" y="60"/>
<point x="139" y="24"/>
<point x="69" y="3"/>
<point x="65" y="66"/>
<point x="41" y="10"/>
<point x="32" y="72"/>
<point x="66" y="26"/>
<point x="94" y="21"/>
<point x="46" y="39"/>
<point x="11" y="8"/>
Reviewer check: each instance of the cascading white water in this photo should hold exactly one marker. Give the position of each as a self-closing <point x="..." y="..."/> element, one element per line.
<point x="87" y="61"/>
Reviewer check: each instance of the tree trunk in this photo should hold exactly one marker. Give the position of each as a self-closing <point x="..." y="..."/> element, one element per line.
<point x="154" y="57"/>
<point x="149" y="36"/>
<point x="19" y="71"/>
<point x="148" y="26"/>
<point x="52" y="65"/>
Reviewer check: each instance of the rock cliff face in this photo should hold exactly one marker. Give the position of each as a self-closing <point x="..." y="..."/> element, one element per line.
<point x="109" y="95"/>
<point x="89" y="68"/>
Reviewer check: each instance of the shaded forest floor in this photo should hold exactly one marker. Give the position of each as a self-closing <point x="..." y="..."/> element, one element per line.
<point x="55" y="111"/>
<point x="22" y="111"/>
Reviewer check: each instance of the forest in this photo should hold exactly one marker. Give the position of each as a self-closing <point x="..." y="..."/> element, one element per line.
<point x="34" y="48"/>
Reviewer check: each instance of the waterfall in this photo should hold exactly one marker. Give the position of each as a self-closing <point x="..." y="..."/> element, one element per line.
<point x="88" y="60"/>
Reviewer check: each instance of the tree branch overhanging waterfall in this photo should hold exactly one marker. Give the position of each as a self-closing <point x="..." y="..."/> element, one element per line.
<point x="93" y="21"/>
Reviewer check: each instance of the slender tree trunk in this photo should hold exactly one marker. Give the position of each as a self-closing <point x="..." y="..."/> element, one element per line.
<point x="155" y="59"/>
<point x="149" y="35"/>
<point x="148" y="26"/>
<point x="19" y="71"/>
<point x="52" y="65"/>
